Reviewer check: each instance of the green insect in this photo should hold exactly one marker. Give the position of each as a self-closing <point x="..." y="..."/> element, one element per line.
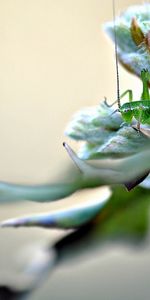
<point x="140" y="110"/>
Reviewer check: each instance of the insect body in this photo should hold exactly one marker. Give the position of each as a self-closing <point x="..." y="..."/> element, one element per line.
<point x="140" y="110"/>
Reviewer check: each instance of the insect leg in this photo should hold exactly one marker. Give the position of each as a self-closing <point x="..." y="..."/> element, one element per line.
<point x="138" y="125"/>
<point x="121" y="96"/>
<point x="139" y="120"/>
<point x="145" y="76"/>
<point x="130" y="93"/>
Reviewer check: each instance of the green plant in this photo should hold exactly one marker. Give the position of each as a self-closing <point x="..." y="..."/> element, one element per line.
<point x="112" y="154"/>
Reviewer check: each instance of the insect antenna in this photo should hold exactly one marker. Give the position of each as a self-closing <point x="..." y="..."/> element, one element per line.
<point x="116" y="56"/>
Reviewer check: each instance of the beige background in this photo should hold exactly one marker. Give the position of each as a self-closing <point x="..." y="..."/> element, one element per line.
<point x="54" y="59"/>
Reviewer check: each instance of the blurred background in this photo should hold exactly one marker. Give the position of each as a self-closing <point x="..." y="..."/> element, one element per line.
<point x="54" y="60"/>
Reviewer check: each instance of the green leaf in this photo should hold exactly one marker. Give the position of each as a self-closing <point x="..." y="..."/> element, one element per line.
<point x="127" y="214"/>
<point x="124" y="218"/>
<point x="72" y="217"/>
<point x="105" y="134"/>
<point x="133" y="56"/>
<point x="39" y="193"/>
<point x="125" y="141"/>
<point x="92" y="174"/>
<point x="94" y="124"/>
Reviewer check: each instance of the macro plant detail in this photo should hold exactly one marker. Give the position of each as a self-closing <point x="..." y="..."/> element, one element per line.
<point x="133" y="26"/>
<point x="112" y="145"/>
<point x="114" y="155"/>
